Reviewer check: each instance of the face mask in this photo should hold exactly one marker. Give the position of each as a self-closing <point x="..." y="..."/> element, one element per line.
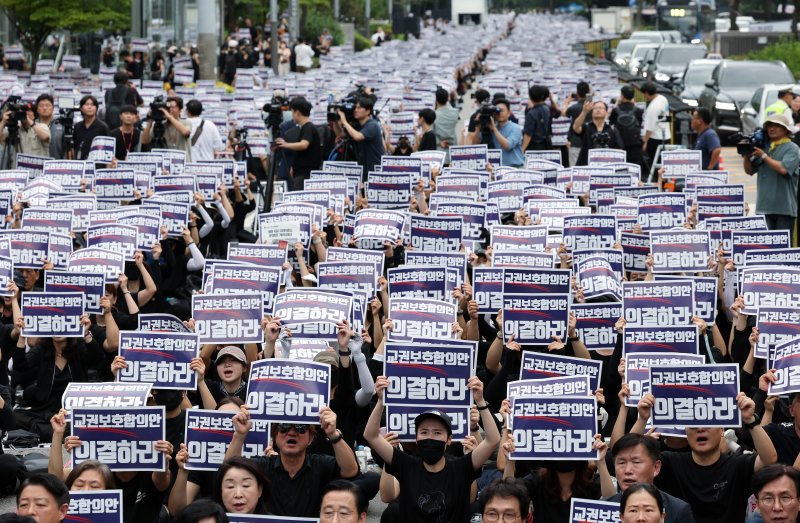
<point x="430" y="450"/>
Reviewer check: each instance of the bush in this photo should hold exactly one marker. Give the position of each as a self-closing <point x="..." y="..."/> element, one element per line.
<point x="317" y="21"/>
<point x="785" y="50"/>
<point x="362" y="42"/>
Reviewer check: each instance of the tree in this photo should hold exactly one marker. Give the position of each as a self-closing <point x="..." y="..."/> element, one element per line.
<point x="35" y="20"/>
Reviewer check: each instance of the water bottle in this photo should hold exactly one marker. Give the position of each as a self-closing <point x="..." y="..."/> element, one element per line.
<point x="361" y="457"/>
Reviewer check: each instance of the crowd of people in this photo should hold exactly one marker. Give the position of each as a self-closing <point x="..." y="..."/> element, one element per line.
<point x="704" y="474"/>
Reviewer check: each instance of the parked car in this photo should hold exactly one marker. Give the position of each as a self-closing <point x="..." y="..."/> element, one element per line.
<point x="670" y="60"/>
<point x="622" y="53"/>
<point x="752" y="113"/>
<point x="654" y="37"/>
<point x="693" y="80"/>
<point x="733" y="84"/>
<point x="637" y="57"/>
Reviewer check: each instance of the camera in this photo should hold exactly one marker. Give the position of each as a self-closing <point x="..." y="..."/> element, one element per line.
<point x="485" y="114"/>
<point x="18" y="113"/>
<point x="602" y="140"/>
<point x="745" y="145"/>
<point x="274" y="109"/>
<point x="156" y="105"/>
<point x="346" y="105"/>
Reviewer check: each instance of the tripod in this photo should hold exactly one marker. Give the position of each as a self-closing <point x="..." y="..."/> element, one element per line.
<point x="8" y="159"/>
<point x="158" y="141"/>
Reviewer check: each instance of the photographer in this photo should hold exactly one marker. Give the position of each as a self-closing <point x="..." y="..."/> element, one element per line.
<point x="44" y="112"/>
<point x="506" y="135"/>
<point x="90" y="127"/>
<point x="176" y="131"/>
<point x="776" y="195"/>
<point x="596" y="134"/>
<point x="34" y="138"/>
<point x="368" y="135"/>
<point x="474" y="130"/>
<point x="307" y="147"/>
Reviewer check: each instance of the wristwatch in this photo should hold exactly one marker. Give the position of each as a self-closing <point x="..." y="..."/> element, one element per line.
<point x="752" y="424"/>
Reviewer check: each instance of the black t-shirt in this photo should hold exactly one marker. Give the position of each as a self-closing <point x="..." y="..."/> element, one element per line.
<point x="428" y="141"/>
<point x="311" y="158"/>
<point x="784" y="439"/>
<point x="126" y="143"/>
<point x="574" y="111"/>
<point x="433" y="496"/>
<point x="370" y="149"/>
<point x="84" y="135"/>
<point x="717" y="492"/>
<point x="141" y="501"/>
<point x="550" y="510"/>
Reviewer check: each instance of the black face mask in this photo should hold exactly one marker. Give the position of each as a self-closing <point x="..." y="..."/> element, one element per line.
<point x="565" y="465"/>
<point x="430" y="450"/>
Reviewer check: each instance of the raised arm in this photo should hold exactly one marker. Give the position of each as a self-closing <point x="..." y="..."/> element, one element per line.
<point x="372" y="430"/>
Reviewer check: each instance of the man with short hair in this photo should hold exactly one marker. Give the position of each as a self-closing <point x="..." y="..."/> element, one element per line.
<point x="127" y="136"/>
<point x="433" y="488"/>
<point x="43" y="497"/>
<point x="343" y="502"/>
<point x="368" y="136"/>
<point x="445" y="124"/>
<point x="573" y="111"/>
<point x="707" y="139"/>
<point x="714" y="484"/>
<point x="176" y="130"/>
<point x="33" y="137"/>
<point x="205" y="139"/>
<point x="121" y="94"/>
<point x="307" y="148"/>
<point x="637" y="459"/>
<point x="506" y="136"/>
<point x="45" y="107"/>
<point x="473" y="128"/>
<point x="426" y="138"/>
<point x="304" y="56"/>
<point x="89" y="128"/>
<point x="776" y="489"/>
<point x="537" y="120"/>
<point x="596" y="133"/>
<point x="505" y="500"/>
<point x="627" y="119"/>
<point x="656" y="126"/>
<point x="297" y="477"/>
<point x="782" y="105"/>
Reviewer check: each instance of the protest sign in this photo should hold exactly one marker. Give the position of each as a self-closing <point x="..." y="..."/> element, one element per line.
<point x="426" y="282"/>
<point x="455" y="262"/>
<point x="52" y="314"/>
<point x="91" y="285"/>
<point x="257" y="254"/>
<point x="554" y="428"/>
<point x="97" y="506"/>
<point x="696" y="395"/>
<point x="121" y="239"/>
<point x="537" y="365"/>
<point x="468" y="157"/>
<point x="594" y="231"/>
<point x="656" y="303"/>
<point x="96" y="260"/>
<point x="68" y="174"/>
<point x="297" y="306"/>
<point x="208" y="435"/>
<point x="682" y="339"/>
<point x="287" y="391"/>
<point x="174" y="216"/>
<point x="440" y="234"/>
<point x="776" y="326"/>
<point x="787" y="376"/>
<point x="536" y="281"/>
<point x="519" y="237"/>
<point x="123" y="439"/>
<point x="592" y="510"/>
<point x="744" y="241"/>
<point x="473" y="215"/>
<point x="228" y="318"/>
<point x="521" y="258"/>
<point x="102" y="149"/>
<point x="564" y="386"/>
<point x="114" y="184"/>
<point x="47" y="220"/>
<point x="29" y="249"/>
<point x="637" y="370"/>
<point x="400" y="420"/>
<point x="786" y="257"/>
<point x="765" y="287"/>
<point x="148" y="229"/>
<point x="487" y="289"/>
<point x="680" y="251"/>
<point x="705" y="294"/>
<point x="160" y="323"/>
<point x="662" y="211"/>
<point x="535" y="319"/>
<point x="159" y="358"/>
<point x="597" y="278"/>
<point x="595" y="324"/>
<point x="679" y="163"/>
<point x="379" y="224"/>
<point x="231" y="278"/>
<point x="6" y="276"/>
<point x="347" y="275"/>
<point x="109" y="394"/>
<point x="389" y="190"/>
<point x="418" y="318"/>
<point x="635" y="248"/>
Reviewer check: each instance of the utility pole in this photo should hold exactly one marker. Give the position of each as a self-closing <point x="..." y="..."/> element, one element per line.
<point x="273" y="25"/>
<point x="336" y="10"/>
<point x="207" y="38"/>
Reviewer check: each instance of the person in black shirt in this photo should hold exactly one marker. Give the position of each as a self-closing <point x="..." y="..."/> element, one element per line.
<point x="128" y="137"/>
<point x="537" y="130"/>
<point x="573" y="111"/>
<point x="627" y="120"/>
<point x="90" y="127"/>
<point x="231" y="363"/>
<point x="426" y="141"/>
<point x="307" y="148"/>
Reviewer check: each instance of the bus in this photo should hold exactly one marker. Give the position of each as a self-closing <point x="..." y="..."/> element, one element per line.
<point x="691" y="18"/>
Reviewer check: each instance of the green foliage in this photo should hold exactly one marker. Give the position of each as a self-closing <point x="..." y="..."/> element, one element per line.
<point x="362" y="42"/>
<point x="316" y="21"/>
<point x="786" y="50"/>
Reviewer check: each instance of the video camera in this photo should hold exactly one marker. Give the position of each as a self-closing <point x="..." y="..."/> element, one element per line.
<point x="347" y="104"/>
<point x="274" y="109"/>
<point x="485" y="114"/>
<point x="745" y="145"/>
<point x="602" y="140"/>
<point x="18" y="114"/>
<point x="156" y="105"/>
<point x="67" y="107"/>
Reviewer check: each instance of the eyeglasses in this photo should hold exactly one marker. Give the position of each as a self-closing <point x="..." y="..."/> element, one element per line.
<point x="283" y="428"/>
<point x="493" y="515"/>
<point x="784" y="500"/>
<point x="343" y="514"/>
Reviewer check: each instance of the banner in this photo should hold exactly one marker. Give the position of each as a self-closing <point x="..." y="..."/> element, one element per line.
<point x="683" y="339"/>
<point x="680" y="251"/>
<point x="229" y="278"/>
<point x="29" y="249"/>
<point x="378" y="224"/>
<point x="257" y="254"/>
<point x="696" y="396"/>
<point x="764" y="287"/>
<point x="662" y="211"/>
<point x="66" y="173"/>
<point x="537" y="365"/>
<point x="47" y="220"/>
<point x="417" y="318"/>
<point x="52" y="314"/>
<point x="159" y="358"/>
<point x="389" y="190"/>
<point x="595" y="324"/>
<point x="400" y="420"/>
<point x="92" y="286"/>
<point x="103" y="149"/>
<point x="208" y="434"/>
<point x="597" y="278"/>
<point x="95" y="506"/>
<point x="439" y="234"/>
<point x="109" y="394"/>
<point x="537" y="319"/>
<point x="228" y="318"/>
<point x="787" y="376"/>
<point x="594" y="511"/>
<point x="658" y="303"/>
<point x="425" y="282"/>
<point x="487" y="289"/>
<point x="95" y="260"/>
<point x="743" y="241"/>
<point x="160" y="323"/>
<point x="114" y="184"/>
<point x="297" y="306"/>
<point x="121" y="239"/>
<point x="594" y="231"/>
<point x="347" y="275"/>
<point x="776" y="326"/>
<point x="123" y="439"/>
<point x="428" y="375"/>
<point x="635" y="248"/>
<point x="468" y="157"/>
<point x="286" y="391"/>
<point x="637" y="370"/>
<point x="554" y="428"/>
<point x="565" y="386"/>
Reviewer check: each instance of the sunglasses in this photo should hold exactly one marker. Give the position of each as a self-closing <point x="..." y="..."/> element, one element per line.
<point x="283" y="428"/>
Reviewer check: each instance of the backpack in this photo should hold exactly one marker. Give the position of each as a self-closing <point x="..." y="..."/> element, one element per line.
<point x="113" y="107"/>
<point x="628" y="127"/>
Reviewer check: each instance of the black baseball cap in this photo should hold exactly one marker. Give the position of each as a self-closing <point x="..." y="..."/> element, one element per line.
<point x="436" y="414"/>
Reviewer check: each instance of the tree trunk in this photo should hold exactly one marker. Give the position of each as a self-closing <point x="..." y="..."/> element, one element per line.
<point x="795" y="19"/>
<point x="639" y="7"/>
<point x="734" y="13"/>
<point x="767" y="5"/>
